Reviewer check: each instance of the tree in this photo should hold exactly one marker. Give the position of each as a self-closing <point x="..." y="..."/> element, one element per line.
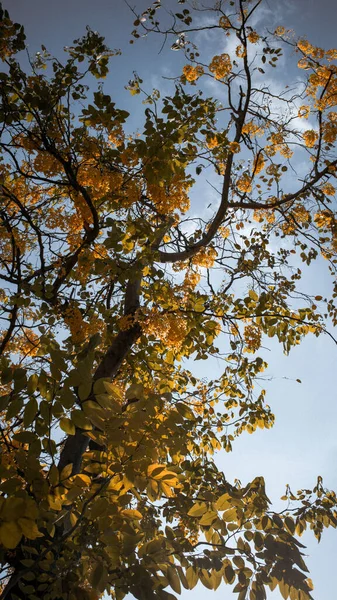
<point x="111" y="282"/>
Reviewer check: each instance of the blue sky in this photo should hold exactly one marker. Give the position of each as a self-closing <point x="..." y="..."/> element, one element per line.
<point x="303" y="442"/>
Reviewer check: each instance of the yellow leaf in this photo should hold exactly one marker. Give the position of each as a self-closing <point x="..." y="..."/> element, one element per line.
<point x="153" y="490"/>
<point x="155" y="469"/>
<point x="95" y="413"/>
<point x="206" y="579"/>
<point x="173" y="579"/>
<point x="253" y="295"/>
<point x="67" y="426"/>
<point x="12" y="509"/>
<point x="54" y="503"/>
<point x="29" y="528"/>
<point x="290" y="525"/>
<point x="229" y="515"/>
<point x="10" y="534"/>
<point x="185" y="411"/>
<point x="166" y="489"/>
<point x="99" y="577"/>
<point x="169" y="478"/>
<point x="80" y="420"/>
<point x="197" y="510"/>
<point x="191" y="577"/>
<point x="136" y="390"/>
<point x="182" y="577"/>
<point x="82" y="480"/>
<point x="208" y="518"/>
<point x="130" y="513"/>
<point x="284" y="589"/>
<point x="223" y="502"/>
<point x="309" y="583"/>
<point x="113" y="390"/>
<point x="66" y="472"/>
<point x="73" y="519"/>
<point x="154" y="546"/>
<point x="53" y="475"/>
<point x="31" y="510"/>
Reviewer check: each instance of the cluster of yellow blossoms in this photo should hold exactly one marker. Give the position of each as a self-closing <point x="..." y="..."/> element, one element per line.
<point x="26" y="343"/>
<point x="116" y="135"/>
<point x="220" y="66"/>
<point x="259" y="163"/>
<point x="330" y="131"/>
<point x="244" y="183"/>
<point x="7" y="31"/>
<point x="278" y="144"/>
<point x="310" y="50"/>
<point x="310" y="138"/>
<point x="73" y="318"/>
<point x="304" y="111"/>
<point x="252" y="128"/>
<point x="6" y="248"/>
<point x="126" y="322"/>
<point x="47" y="164"/>
<point x="130" y="193"/>
<point x="234" y="147"/>
<point x="192" y="73"/>
<point x="286" y="151"/>
<point x="55" y="218"/>
<point x="324" y="76"/>
<point x="280" y="30"/>
<point x="264" y="214"/>
<point x="240" y="51"/>
<point x="301" y="214"/>
<point x="224" y="232"/>
<point x="81" y="330"/>
<point x="253" y="37"/>
<point x="328" y="189"/>
<point x="224" y="22"/>
<point x="212" y="142"/>
<point x="298" y="214"/>
<point x="324" y="219"/>
<point x="169" y="328"/>
<point x="252" y="336"/>
<point x="100" y="181"/>
<point x="171" y="197"/>
<point x="191" y="279"/>
<point x="205" y="257"/>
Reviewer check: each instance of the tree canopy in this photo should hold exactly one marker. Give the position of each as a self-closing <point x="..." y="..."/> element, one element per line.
<point x="114" y="274"/>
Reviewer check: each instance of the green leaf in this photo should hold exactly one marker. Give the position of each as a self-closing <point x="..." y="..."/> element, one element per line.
<point x="67" y="426"/>
<point x="80" y="420"/>
<point x="84" y="390"/>
<point x="53" y="475"/>
<point x="10" y="534"/>
<point x="30" y="412"/>
<point x="185" y="411"/>
<point x="229" y="574"/>
<point x="32" y="384"/>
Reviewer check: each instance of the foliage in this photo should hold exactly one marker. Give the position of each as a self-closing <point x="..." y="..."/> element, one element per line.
<point x="111" y="281"/>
